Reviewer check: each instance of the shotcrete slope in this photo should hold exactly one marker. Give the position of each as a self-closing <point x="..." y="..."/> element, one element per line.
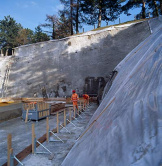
<point x="126" y="129"/>
<point x="63" y="65"/>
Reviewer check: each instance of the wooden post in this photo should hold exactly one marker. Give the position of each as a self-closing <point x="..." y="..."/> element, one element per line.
<point x="47" y="129"/>
<point x="94" y="26"/>
<point x="83" y="30"/>
<point x="74" y="112"/>
<point x="27" y="112"/>
<point x="9" y="146"/>
<point x="69" y="114"/>
<point x="11" y="153"/>
<point x="64" y="118"/>
<point x="33" y="137"/>
<point x="58" y="122"/>
<point x="12" y="52"/>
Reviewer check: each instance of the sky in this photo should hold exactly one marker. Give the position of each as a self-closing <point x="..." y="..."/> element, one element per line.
<point x="31" y="13"/>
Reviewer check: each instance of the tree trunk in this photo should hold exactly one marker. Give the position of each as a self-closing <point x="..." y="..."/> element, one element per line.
<point x="161" y="6"/>
<point x="143" y="9"/>
<point x="53" y="31"/>
<point x="77" y="15"/>
<point x="99" y="14"/>
<point x="71" y="16"/>
<point x="156" y="8"/>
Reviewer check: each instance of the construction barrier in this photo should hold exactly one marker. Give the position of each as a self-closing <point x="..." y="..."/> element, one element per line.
<point x="35" y="111"/>
<point x="11" y="156"/>
<point x="37" y="107"/>
<point x="34" y="145"/>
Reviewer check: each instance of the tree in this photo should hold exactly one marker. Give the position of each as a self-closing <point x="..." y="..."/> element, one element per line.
<point x="9" y="31"/>
<point x="25" y="36"/>
<point x="135" y="4"/>
<point x="64" y="26"/>
<point x="39" y="36"/>
<point x="100" y="10"/>
<point x="154" y="6"/>
<point x="52" y="24"/>
<point x="73" y="13"/>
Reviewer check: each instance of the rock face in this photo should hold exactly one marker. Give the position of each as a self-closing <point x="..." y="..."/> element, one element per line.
<point x="126" y="129"/>
<point x="66" y="64"/>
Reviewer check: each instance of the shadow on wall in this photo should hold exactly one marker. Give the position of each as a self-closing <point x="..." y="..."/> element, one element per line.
<point x="93" y="85"/>
<point x="53" y="64"/>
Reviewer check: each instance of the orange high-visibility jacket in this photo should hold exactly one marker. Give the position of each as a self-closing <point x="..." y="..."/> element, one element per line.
<point x="86" y="97"/>
<point x="74" y="97"/>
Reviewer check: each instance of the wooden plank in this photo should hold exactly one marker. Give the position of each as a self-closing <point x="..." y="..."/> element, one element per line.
<point x="64" y="118"/>
<point x="58" y="123"/>
<point x="9" y="146"/>
<point x="33" y="137"/>
<point x="47" y="129"/>
<point x="27" y="112"/>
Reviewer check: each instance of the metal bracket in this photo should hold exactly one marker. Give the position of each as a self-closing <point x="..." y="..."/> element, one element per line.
<point x="12" y="157"/>
<point x="59" y="139"/>
<point x="65" y="128"/>
<point x="71" y="123"/>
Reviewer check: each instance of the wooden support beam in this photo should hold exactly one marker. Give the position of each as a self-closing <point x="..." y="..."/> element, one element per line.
<point x="58" y="127"/>
<point x="70" y="114"/>
<point x="47" y="129"/>
<point x="27" y="112"/>
<point x="64" y="117"/>
<point x="33" y="137"/>
<point x="9" y="146"/>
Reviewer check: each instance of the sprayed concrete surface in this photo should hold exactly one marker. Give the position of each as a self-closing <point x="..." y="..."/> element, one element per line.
<point x="65" y="64"/>
<point x="126" y="129"/>
<point x="21" y="137"/>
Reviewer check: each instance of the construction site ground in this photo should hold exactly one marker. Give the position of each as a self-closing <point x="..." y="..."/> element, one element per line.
<point x="22" y="137"/>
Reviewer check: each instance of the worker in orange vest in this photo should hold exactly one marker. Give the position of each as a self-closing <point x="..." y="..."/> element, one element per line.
<point x="86" y="99"/>
<point x="75" y="99"/>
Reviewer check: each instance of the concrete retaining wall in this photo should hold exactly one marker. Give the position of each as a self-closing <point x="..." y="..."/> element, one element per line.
<point x="63" y="65"/>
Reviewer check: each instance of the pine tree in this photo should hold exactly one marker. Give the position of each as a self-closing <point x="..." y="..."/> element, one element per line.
<point x="72" y="10"/>
<point x="96" y="11"/>
<point x="154" y="6"/>
<point x="9" y="31"/>
<point x="64" y="26"/>
<point x="25" y="36"/>
<point x="39" y="36"/>
<point x="135" y="4"/>
<point x="52" y="24"/>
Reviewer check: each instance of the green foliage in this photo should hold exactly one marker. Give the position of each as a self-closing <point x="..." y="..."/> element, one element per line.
<point x="147" y="6"/>
<point x="97" y="10"/>
<point x="39" y="36"/>
<point x="52" y="25"/>
<point x="12" y="34"/>
<point x="154" y="7"/>
<point x="25" y="36"/>
<point x="72" y="13"/>
<point x="9" y="31"/>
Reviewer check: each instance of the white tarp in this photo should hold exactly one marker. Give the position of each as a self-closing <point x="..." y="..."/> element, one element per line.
<point x="126" y="129"/>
